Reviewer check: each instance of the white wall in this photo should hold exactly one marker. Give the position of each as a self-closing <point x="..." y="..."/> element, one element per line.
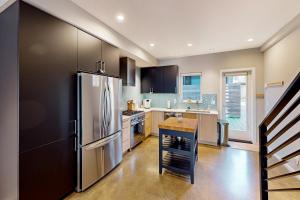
<point x="282" y="63"/>
<point x="211" y="64"/>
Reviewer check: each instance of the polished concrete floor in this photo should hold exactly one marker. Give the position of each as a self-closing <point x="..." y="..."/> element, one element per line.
<point x="221" y="174"/>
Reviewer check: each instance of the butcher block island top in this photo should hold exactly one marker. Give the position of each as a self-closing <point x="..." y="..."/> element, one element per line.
<point x="185" y="125"/>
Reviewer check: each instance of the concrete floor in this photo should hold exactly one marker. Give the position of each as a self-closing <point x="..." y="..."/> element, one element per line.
<point x="227" y="174"/>
<point x="221" y="174"/>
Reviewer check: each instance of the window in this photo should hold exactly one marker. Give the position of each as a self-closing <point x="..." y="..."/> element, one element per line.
<point x="190" y="87"/>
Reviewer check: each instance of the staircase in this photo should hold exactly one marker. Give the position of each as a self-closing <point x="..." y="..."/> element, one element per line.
<point x="279" y="133"/>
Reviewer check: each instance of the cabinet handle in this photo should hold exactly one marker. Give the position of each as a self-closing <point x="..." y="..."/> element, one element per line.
<point x="75" y="127"/>
<point x="75" y="145"/>
<point x="104" y="69"/>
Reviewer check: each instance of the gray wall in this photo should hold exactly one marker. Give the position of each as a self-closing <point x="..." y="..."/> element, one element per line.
<point x="9" y="104"/>
<point x="211" y="64"/>
<point x="282" y="63"/>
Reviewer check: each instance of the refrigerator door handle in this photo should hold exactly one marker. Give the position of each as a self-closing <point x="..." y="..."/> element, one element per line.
<point x="102" y="142"/>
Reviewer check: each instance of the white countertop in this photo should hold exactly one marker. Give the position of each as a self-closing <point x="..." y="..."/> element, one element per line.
<point x="207" y="112"/>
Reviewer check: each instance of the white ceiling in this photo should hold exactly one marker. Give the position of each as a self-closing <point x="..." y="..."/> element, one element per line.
<point x="210" y="25"/>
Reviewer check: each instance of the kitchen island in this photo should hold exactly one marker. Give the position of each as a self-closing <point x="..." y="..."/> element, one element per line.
<point x="179" y="140"/>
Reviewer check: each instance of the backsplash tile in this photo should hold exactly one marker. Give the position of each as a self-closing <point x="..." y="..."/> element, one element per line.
<point x="209" y="101"/>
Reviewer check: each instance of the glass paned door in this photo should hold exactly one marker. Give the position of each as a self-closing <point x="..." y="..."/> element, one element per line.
<point x="236" y="104"/>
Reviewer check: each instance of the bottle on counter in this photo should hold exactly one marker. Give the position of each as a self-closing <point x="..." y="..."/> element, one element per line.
<point x="168" y="104"/>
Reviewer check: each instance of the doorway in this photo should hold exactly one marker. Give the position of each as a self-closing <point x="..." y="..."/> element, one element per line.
<point x="237" y="104"/>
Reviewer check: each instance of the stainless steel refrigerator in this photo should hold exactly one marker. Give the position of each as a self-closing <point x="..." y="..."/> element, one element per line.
<point x="99" y="138"/>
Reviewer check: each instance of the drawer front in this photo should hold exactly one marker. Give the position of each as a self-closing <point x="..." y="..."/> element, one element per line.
<point x="126" y="134"/>
<point x="148" y="115"/>
<point x="126" y="124"/>
<point x="126" y="145"/>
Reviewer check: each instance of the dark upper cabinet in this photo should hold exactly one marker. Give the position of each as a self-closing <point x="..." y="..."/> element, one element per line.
<point x="95" y="55"/>
<point x="170" y="79"/>
<point x="127" y="71"/>
<point x="48" y="66"/>
<point x="159" y="79"/>
<point x="111" y="59"/>
<point x="89" y="52"/>
<point x="146" y="79"/>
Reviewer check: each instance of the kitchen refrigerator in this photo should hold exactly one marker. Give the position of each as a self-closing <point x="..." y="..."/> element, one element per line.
<point x="99" y="139"/>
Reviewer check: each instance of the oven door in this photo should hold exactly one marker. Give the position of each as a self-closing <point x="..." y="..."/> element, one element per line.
<point x="137" y="133"/>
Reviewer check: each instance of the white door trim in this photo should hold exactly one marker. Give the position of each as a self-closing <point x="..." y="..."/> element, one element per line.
<point x="252" y="123"/>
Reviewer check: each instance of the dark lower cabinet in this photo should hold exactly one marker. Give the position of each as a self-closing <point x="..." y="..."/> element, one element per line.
<point x="111" y="57"/>
<point x="48" y="172"/>
<point x="162" y="79"/>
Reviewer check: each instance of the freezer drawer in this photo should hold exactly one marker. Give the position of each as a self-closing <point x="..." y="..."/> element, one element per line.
<point x="98" y="159"/>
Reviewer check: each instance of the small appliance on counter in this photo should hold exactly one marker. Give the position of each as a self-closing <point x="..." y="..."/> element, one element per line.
<point x="147" y="103"/>
<point x="131" y="105"/>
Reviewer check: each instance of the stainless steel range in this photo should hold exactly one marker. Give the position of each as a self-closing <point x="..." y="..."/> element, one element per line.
<point x="137" y="129"/>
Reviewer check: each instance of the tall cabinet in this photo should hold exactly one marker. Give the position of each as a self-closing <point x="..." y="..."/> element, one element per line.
<point x="40" y="56"/>
<point x="47" y="108"/>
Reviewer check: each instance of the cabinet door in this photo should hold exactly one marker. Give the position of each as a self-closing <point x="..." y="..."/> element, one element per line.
<point x="170" y="79"/>
<point x="111" y="58"/>
<point x="89" y="52"/>
<point x="48" y="172"/>
<point x="127" y="71"/>
<point x="146" y="80"/>
<point x="148" y="124"/>
<point x="157" y="79"/>
<point x="157" y="117"/>
<point x="48" y="65"/>
<point x="207" y="127"/>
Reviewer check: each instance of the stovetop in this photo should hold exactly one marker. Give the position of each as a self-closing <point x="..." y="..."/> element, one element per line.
<point x="131" y="112"/>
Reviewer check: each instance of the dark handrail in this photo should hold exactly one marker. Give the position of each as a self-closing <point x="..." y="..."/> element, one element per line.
<point x="286" y="113"/>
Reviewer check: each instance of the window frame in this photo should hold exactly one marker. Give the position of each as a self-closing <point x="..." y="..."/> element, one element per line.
<point x="181" y="75"/>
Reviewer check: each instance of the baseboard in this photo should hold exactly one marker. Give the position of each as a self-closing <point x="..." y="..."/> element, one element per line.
<point x="241" y="141"/>
<point x="208" y="143"/>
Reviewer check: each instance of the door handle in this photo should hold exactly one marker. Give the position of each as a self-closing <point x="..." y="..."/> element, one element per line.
<point x="104" y="67"/>
<point x="103" y="142"/>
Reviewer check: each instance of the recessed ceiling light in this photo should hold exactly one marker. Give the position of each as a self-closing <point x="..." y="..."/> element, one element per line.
<point x="151" y="44"/>
<point x="189" y="44"/>
<point x="250" y="40"/>
<point x="120" y="18"/>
